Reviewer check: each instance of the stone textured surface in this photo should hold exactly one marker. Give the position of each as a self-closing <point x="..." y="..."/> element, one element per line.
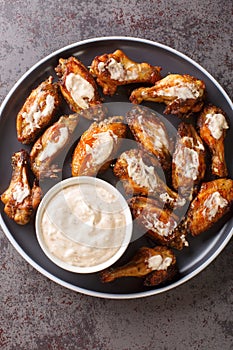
<point x="36" y="313"/>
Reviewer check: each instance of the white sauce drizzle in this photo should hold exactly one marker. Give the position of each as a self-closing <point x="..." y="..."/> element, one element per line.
<point x="216" y="123"/>
<point x="80" y="89"/>
<point x="156" y="133"/>
<point x="142" y="174"/>
<point x="212" y="205"/>
<point x="53" y="146"/>
<point x="183" y="239"/>
<point x="35" y="113"/>
<point x="84" y="225"/>
<point x="153" y="223"/>
<point x="20" y="192"/>
<point x="190" y="140"/>
<point x="156" y="262"/>
<point x="165" y="197"/>
<point x="117" y="70"/>
<point x="102" y="147"/>
<point x="187" y="162"/>
<point x="183" y="91"/>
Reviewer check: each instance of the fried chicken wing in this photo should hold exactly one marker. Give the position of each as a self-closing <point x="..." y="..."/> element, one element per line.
<point x="188" y="162"/>
<point x="38" y="111"/>
<point x="181" y="93"/>
<point x="150" y="132"/>
<point x="45" y="151"/>
<point x="77" y="85"/>
<point x="156" y="265"/>
<point x="137" y="170"/>
<point x="212" y="127"/>
<point x="19" y="198"/>
<point x="98" y="146"/>
<point x="114" y="69"/>
<point x="160" y="223"/>
<point x="213" y="202"/>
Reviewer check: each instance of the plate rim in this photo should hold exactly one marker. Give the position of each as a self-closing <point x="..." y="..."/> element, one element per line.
<point x="109" y="38"/>
<point x="59" y="280"/>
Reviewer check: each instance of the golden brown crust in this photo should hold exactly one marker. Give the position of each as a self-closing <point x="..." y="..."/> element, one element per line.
<point x="114" y="69"/>
<point x="139" y="266"/>
<point x="50" y="145"/>
<point x="216" y="145"/>
<point x="19" y="198"/>
<point x="38" y="111"/>
<point x="213" y="201"/>
<point x="182" y="94"/>
<point x="87" y="158"/>
<point x="75" y="67"/>
<point x="156" y="278"/>
<point x="135" y="157"/>
<point x="150" y="132"/>
<point x="188" y="162"/>
<point x="138" y="172"/>
<point x="160" y="223"/>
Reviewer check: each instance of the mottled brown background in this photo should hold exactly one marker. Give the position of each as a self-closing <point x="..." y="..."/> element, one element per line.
<point x="36" y="313"/>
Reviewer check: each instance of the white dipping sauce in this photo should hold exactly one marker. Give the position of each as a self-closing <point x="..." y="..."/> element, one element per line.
<point x="84" y="224"/>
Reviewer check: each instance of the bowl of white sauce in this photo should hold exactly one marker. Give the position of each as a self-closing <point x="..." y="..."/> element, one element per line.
<point x="83" y="224"/>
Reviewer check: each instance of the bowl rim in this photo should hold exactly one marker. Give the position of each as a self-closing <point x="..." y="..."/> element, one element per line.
<point x="92" y="181"/>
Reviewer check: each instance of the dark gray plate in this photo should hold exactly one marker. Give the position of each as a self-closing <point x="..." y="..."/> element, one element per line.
<point x="202" y="249"/>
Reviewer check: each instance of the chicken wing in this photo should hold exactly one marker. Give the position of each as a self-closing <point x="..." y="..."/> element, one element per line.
<point x="151" y="133"/>
<point x="38" y="111"/>
<point x="212" y="127"/>
<point x="19" y="198"/>
<point x="114" y="69"/>
<point x="181" y="93"/>
<point x="45" y="152"/>
<point x="137" y="170"/>
<point x="213" y="202"/>
<point x="161" y="224"/>
<point x="77" y="85"/>
<point x="157" y="265"/>
<point x="188" y="162"/>
<point x="98" y="146"/>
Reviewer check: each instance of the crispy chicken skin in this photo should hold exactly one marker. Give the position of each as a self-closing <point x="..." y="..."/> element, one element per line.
<point x="213" y="201"/>
<point x="45" y="151"/>
<point x="77" y="85"/>
<point x="150" y="132"/>
<point x="212" y="128"/>
<point x="19" y="198"/>
<point x="114" y="69"/>
<point x="137" y="171"/>
<point x="182" y="94"/>
<point x="38" y="111"/>
<point x="188" y="162"/>
<point x="98" y="146"/>
<point x="156" y="265"/>
<point x="160" y="223"/>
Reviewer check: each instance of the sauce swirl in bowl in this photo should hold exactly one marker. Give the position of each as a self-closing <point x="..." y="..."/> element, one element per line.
<point x="83" y="224"/>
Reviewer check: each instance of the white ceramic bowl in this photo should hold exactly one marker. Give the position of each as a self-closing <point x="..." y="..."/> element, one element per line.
<point x="74" y="224"/>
